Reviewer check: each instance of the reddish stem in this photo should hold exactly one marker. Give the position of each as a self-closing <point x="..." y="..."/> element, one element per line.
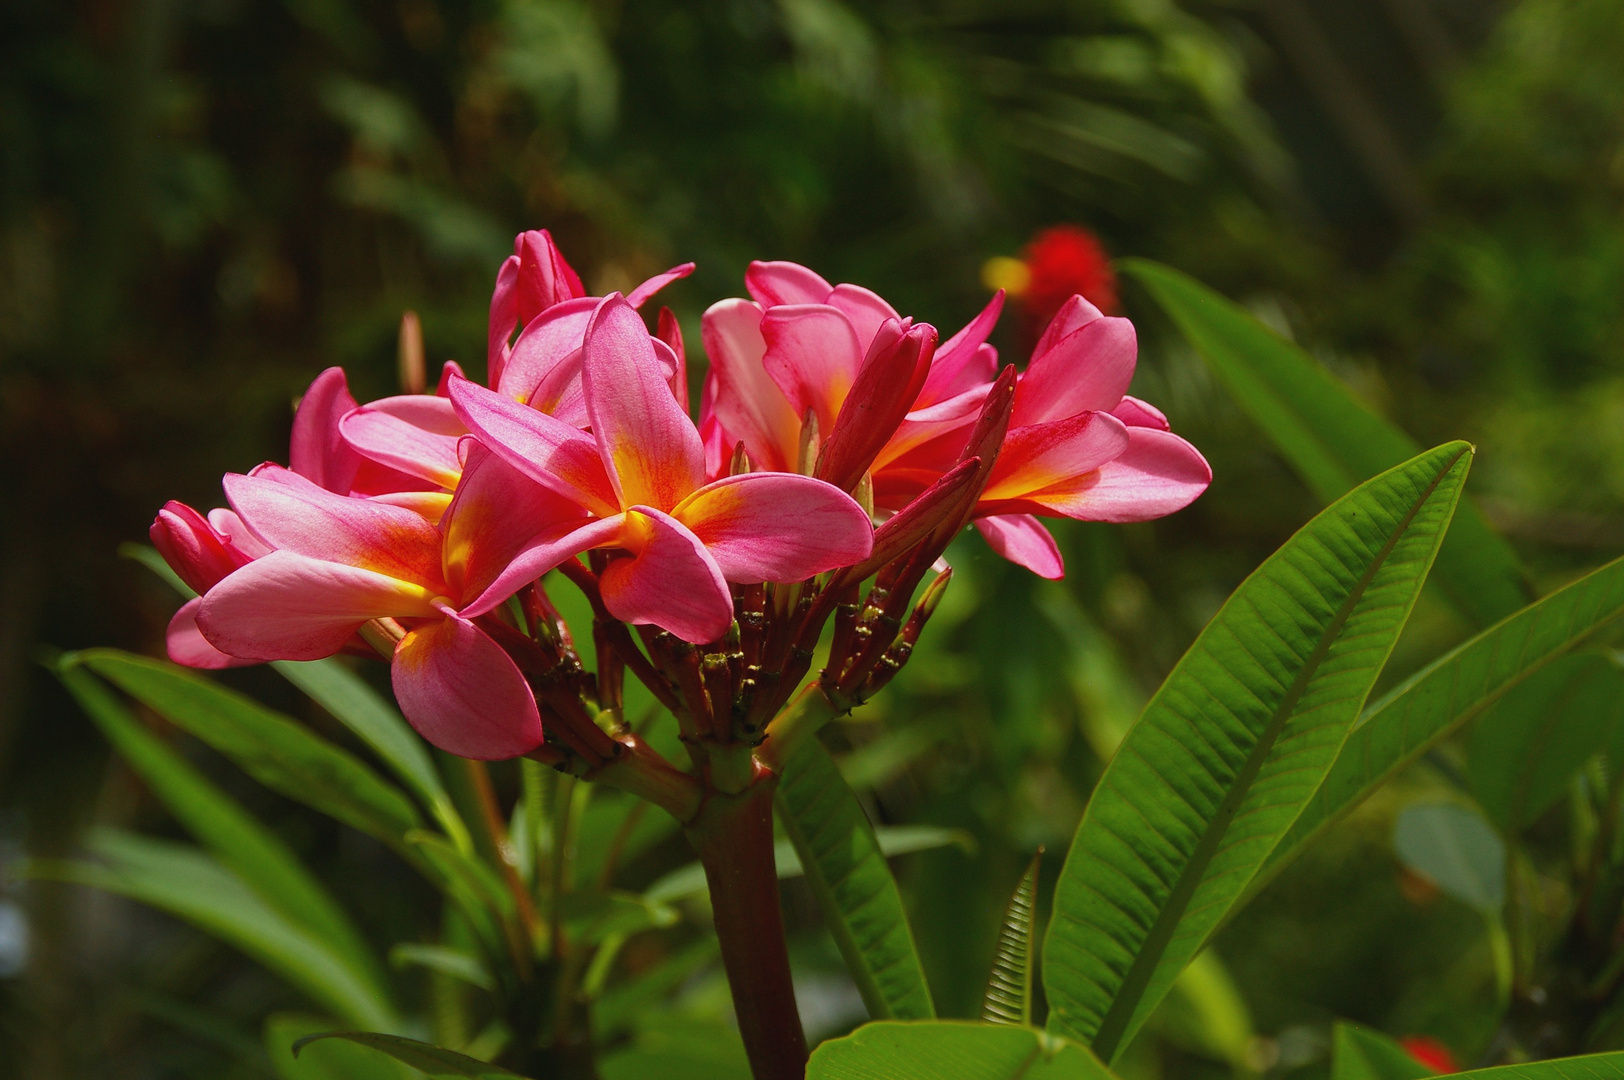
<point x="734" y="837"/>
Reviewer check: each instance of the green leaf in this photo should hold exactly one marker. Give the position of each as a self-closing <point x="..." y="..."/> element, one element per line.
<point x="279" y="753"/>
<point x="254" y="853"/>
<point x="1454" y="848"/>
<point x="591" y="917"/>
<point x="436" y="1061"/>
<point x="192" y="886"/>
<point x="675" y="1047"/>
<point x="332" y="1060"/>
<point x="1525" y="748"/>
<point x="1434" y="702"/>
<point x="1588" y="1067"/>
<point x="476" y="889"/>
<point x="631" y="1002"/>
<point x="1009" y="992"/>
<point x="837" y="849"/>
<point x="1233" y="745"/>
<point x="379" y="724"/>
<point x="148" y="556"/>
<point x="894" y="840"/>
<point x="952" y="1050"/>
<point x="1358" y="1053"/>
<point x="453" y="962"/>
<point x="1331" y="439"/>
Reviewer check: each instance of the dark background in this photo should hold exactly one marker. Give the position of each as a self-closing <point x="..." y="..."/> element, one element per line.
<point x="205" y="202"/>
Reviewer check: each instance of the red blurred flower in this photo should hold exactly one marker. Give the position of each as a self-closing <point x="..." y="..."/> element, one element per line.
<point x="1060" y="262"/>
<point x="1430" y="1052"/>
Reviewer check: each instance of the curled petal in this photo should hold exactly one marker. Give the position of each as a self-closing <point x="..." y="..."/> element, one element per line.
<point x="1044" y="456"/>
<point x="550" y="340"/>
<point x="1073" y="315"/>
<point x="892" y="374"/>
<point x="187" y="646"/>
<point x="192" y="547"/>
<point x="964" y="359"/>
<point x="649" y="447"/>
<point x="1023" y="540"/>
<point x="776" y="526"/>
<point x="504" y="315"/>
<point x="1157" y="474"/>
<point x="771" y="283"/>
<point x="317" y="450"/>
<point x="1088" y="369"/>
<point x="748" y="403"/>
<point x="544" y="448"/>
<point x="1136" y="413"/>
<point x="669" y="331"/>
<point x="545" y="276"/>
<point x="545" y="551"/>
<point x="866" y="311"/>
<point x="291" y="607"/>
<point x="448" y="371"/>
<point x="463" y="693"/>
<point x="299" y="517"/>
<point x="813" y="356"/>
<point x="414" y="433"/>
<point x="669" y="580"/>
<point x="645" y="292"/>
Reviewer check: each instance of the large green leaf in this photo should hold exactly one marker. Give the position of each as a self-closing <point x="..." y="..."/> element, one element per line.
<point x="1451" y="690"/>
<point x="1233" y="745"/>
<point x="254" y="853"/>
<point x="952" y="1050"/>
<point x="1326" y="434"/>
<point x="379" y="724"/>
<point x="1009" y="991"/>
<point x="1524" y="749"/>
<point x="192" y="886"/>
<point x="284" y="756"/>
<point x="1358" y="1053"/>
<point x="436" y="1061"/>
<point x="847" y="872"/>
<point x="1589" y="1067"/>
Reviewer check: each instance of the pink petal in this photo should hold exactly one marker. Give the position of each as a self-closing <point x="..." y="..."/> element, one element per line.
<point x="192" y="547"/>
<point x="897" y="365"/>
<point x="964" y="359"/>
<point x="551" y="339"/>
<point x="669" y="580"/>
<point x="813" y="356"/>
<point x="504" y="316"/>
<point x="414" y="433"/>
<point x="546" y="551"/>
<point x="1039" y="457"/>
<point x="448" y="371"/>
<point x="1157" y="474"/>
<point x="1073" y="315"/>
<point x="236" y="534"/>
<point x="1023" y="540"/>
<point x="718" y="443"/>
<point x="544" y="448"/>
<point x="865" y="310"/>
<point x="776" y="526"/>
<point x="187" y="646"/>
<point x="428" y="505"/>
<point x="545" y="276"/>
<point x="645" y="292"/>
<point x="292" y="607"/>
<point x="358" y="532"/>
<point x="1088" y="369"/>
<point x="495" y="513"/>
<point x="772" y="283"/>
<point x="669" y="331"/>
<point x="649" y="447"/>
<point x="463" y="693"/>
<point x="1136" y="413"/>
<point x="316" y="449"/>
<point x="748" y="403"/>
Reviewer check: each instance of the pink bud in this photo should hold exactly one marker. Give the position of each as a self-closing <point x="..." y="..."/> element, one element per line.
<point x="887" y="385"/>
<point x="193" y="548"/>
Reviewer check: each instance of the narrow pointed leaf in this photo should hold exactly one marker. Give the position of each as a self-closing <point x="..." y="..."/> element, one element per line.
<point x="1436" y="701"/>
<point x="436" y="1061"/>
<point x="192" y="886"/>
<point x="1326" y="434"/>
<point x="255" y="854"/>
<point x="453" y="962"/>
<point x="846" y="868"/>
<point x="1009" y="992"/>
<point x="952" y="1050"/>
<point x="1233" y="745"/>
<point x="279" y="753"/>
<point x="1358" y="1053"/>
<point x="1588" y="1067"/>
<point x="331" y="1060"/>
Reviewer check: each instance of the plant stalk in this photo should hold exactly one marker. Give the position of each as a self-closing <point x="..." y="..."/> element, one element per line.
<point x="733" y="835"/>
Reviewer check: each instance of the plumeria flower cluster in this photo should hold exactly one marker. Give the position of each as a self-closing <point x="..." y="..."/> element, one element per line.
<point x="839" y="448"/>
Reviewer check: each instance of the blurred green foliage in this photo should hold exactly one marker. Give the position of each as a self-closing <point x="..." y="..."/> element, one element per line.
<point x="204" y="202"/>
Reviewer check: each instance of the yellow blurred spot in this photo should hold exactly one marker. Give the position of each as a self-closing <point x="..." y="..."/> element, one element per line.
<point x="1003" y="272"/>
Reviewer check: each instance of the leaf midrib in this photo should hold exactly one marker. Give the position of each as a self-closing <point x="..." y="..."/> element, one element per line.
<point x="1115" y="1022"/>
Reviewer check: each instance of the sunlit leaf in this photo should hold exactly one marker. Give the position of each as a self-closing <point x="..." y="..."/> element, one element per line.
<point x="1326" y="434"/>
<point x="1009" y="991"/>
<point x="952" y="1050"/>
<point x="436" y="1061"/>
<point x="1233" y="745"/>
<point x="844" y="862"/>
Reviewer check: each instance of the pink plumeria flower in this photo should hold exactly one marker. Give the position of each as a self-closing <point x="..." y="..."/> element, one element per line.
<point x="536" y="281"/>
<point x="802" y="346"/>
<point x="639" y="477"/>
<point x="202" y="551"/>
<point x="1077" y="446"/>
<point x="340" y="562"/>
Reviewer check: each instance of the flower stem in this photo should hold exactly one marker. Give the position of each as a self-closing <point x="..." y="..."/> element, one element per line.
<point x="734" y="837"/>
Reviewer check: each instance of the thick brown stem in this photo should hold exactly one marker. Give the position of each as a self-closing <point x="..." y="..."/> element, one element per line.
<point x="734" y="837"/>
